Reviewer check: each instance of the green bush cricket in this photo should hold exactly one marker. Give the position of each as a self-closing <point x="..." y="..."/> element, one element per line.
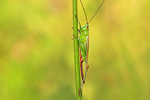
<point x="84" y="45"/>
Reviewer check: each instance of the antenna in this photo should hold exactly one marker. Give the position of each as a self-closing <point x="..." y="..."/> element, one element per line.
<point x="97" y="11"/>
<point x="84" y="11"/>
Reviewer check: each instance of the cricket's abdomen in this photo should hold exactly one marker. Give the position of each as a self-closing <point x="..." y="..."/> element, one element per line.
<point x="83" y="46"/>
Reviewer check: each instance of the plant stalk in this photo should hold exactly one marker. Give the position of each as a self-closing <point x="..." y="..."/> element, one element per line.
<point x="76" y="50"/>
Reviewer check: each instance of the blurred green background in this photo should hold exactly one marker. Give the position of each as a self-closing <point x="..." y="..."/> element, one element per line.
<point x="36" y="50"/>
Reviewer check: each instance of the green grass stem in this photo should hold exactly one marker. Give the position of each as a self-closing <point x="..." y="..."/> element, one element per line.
<point x="76" y="50"/>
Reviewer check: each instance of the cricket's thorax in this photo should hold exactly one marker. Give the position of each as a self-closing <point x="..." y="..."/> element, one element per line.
<point x="83" y="40"/>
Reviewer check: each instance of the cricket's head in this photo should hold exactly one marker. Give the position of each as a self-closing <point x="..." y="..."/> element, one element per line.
<point x="85" y="29"/>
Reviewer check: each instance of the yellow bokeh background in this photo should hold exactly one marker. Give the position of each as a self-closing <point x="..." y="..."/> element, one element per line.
<point x="37" y="52"/>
